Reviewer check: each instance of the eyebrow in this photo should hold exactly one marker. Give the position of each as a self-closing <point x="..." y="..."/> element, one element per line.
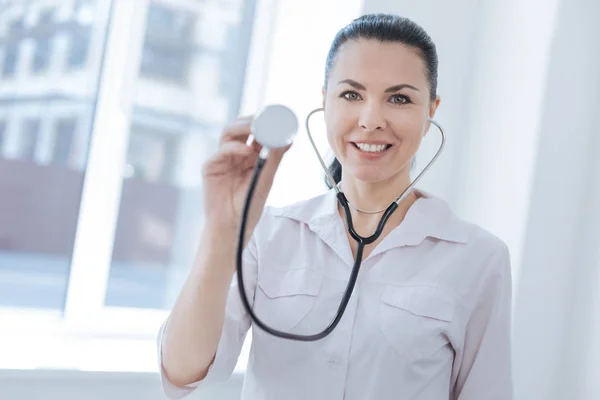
<point x="391" y="89"/>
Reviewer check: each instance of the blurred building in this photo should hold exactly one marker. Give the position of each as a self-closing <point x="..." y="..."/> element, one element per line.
<point x="189" y="83"/>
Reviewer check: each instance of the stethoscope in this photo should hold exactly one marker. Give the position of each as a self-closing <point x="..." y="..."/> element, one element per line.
<point x="275" y="127"/>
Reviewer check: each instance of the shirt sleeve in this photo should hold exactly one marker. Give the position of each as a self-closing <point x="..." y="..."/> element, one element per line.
<point x="485" y="370"/>
<point x="235" y="327"/>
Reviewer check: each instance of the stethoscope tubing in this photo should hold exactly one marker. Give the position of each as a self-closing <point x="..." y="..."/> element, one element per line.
<point x="361" y="241"/>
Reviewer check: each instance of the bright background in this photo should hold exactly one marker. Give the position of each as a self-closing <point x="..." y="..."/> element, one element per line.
<point x="109" y="108"/>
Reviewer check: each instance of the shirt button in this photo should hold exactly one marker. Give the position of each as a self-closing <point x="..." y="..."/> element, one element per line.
<point x="334" y="363"/>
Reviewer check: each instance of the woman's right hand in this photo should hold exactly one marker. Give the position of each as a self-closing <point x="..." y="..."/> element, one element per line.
<point x="227" y="176"/>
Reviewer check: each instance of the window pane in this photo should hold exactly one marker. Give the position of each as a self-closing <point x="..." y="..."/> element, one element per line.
<point x="28" y="138"/>
<point x="63" y="140"/>
<point x="12" y="42"/>
<point x="168" y="42"/>
<point x="43" y="52"/>
<point x="80" y="44"/>
<point x="43" y="37"/>
<point x="81" y="33"/>
<point x="151" y="154"/>
<point x="11" y="55"/>
<point x="44" y="138"/>
<point x="190" y="83"/>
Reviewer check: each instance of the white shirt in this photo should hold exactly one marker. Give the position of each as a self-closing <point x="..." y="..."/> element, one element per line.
<point x="429" y="318"/>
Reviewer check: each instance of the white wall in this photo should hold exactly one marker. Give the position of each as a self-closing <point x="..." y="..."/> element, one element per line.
<point x="522" y="78"/>
<point x="557" y="309"/>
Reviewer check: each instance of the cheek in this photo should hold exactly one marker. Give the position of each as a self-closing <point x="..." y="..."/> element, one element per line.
<point x="411" y="129"/>
<point x="330" y="128"/>
<point x="337" y="126"/>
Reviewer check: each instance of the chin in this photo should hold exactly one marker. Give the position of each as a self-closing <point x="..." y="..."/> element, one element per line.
<point x="370" y="175"/>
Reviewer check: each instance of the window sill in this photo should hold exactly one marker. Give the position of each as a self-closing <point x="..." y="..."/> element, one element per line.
<point x="41" y="340"/>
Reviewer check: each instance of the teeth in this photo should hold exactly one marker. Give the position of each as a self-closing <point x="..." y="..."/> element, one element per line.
<point x="371" y="148"/>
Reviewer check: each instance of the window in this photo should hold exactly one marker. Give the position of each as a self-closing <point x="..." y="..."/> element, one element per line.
<point x="165" y="62"/>
<point x="81" y="33"/>
<point x="79" y="47"/>
<point x="43" y="43"/>
<point x="28" y="138"/>
<point x="172" y="22"/>
<point x="160" y="212"/>
<point x="106" y="255"/>
<point x="40" y="203"/>
<point x="11" y="50"/>
<point x="43" y="52"/>
<point x="151" y="154"/>
<point x="63" y="141"/>
<point x="11" y="54"/>
<point x="167" y="44"/>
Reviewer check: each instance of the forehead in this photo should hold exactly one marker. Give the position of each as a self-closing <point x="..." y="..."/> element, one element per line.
<point x="372" y="61"/>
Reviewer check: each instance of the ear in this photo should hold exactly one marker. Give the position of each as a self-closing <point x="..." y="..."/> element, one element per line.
<point x="324" y="95"/>
<point x="434" y="106"/>
<point x="432" y="109"/>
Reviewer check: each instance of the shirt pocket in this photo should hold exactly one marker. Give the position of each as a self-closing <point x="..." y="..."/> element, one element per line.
<point x="415" y="319"/>
<point x="285" y="297"/>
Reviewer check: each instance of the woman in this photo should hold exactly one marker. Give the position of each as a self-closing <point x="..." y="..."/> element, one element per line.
<point x="430" y="315"/>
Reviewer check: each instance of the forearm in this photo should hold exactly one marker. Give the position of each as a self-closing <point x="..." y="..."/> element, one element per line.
<point x="194" y="327"/>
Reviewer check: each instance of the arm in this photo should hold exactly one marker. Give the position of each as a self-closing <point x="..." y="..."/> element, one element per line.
<point x="204" y="333"/>
<point x="485" y="364"/>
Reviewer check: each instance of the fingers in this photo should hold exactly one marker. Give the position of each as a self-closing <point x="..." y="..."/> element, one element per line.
<point x="229" y="155"/>
<point x="239" y="130"/>
<point x="235" y="148"/>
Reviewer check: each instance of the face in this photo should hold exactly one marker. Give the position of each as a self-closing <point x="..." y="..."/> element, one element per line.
<point x="377" y="104"/>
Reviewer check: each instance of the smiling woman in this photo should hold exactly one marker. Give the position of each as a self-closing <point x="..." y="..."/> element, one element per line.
<point x="430" y="313"/>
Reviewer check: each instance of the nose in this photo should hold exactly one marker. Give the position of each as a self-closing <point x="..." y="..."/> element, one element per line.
<point x="372" y="118"/>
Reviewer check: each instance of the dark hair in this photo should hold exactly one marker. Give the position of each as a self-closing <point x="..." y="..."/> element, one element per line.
<point x="384" y="28"/>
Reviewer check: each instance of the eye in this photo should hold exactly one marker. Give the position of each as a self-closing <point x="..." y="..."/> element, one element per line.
<point x="400" y="99"/>
<point x="351" y="95"/>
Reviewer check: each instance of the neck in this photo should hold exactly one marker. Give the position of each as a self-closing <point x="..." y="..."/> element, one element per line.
<point x="373" y="196"/>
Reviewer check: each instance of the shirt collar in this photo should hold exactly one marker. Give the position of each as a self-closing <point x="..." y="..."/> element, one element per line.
<point x="429" y="216"/>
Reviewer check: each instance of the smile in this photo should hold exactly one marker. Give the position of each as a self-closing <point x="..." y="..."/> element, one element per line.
<point x="372" y="148"/>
